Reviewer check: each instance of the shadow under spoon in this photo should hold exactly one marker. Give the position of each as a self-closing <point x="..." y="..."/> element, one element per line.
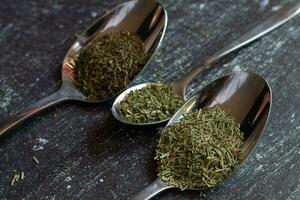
<point x="280" y="17"/>
<point x="146" y="18"/>
<point x="246" y="96"/>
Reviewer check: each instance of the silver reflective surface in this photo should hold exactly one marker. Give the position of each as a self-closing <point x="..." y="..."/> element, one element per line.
<point x="277" y="19"/>
<point x="248" y="98"/>
<point x="146" y="18"/>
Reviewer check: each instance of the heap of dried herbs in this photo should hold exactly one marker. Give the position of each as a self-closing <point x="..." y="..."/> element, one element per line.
<point x="149" y="104"/>
<point x="200" y="150"/>
<point x="108" y="63"/>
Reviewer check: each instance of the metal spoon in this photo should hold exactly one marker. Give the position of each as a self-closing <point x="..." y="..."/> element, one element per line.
<point x="247" y="96"/>
<point x="147" y="18"/>
<point x="278" y="18"/>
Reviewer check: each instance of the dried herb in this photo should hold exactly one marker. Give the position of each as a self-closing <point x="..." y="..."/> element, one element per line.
<point x="16" y="177"/>
<point x="200" y="150"/>
<point x="205" y="35"/>
<point x="22" y="176"/>
<point x="108" y="63"/>
<point x="35" y="160"/>
<point x="149" y="104"/>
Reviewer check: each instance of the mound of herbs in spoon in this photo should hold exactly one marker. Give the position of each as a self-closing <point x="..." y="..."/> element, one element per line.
<point x="108" y="63"/>
<point x="149" y="104"/>
<point x="200" y="150"/>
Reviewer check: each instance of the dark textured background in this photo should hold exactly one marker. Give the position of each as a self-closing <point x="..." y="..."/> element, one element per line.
<point x="85" y="154"/>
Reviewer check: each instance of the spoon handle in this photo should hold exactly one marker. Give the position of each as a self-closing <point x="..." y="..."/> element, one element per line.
<point x="59" y="96"/>
<point x="151" y="190"/>
<point x="280" y="17"/>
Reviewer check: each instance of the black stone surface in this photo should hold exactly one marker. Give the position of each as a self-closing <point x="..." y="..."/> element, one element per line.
<point x="85" y="154"/>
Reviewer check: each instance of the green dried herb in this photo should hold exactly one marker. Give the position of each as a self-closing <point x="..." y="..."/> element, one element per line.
<point x="149" y="104"/>
<point x="108" y="63"/>
<point x="200" y="150"/>
<point x="17" y="177"/>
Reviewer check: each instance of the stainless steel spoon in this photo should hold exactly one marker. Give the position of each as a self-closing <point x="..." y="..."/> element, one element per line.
<point x="147" y="18"/>
<point x="247" y="96"/>
<point x="278" y="18"/>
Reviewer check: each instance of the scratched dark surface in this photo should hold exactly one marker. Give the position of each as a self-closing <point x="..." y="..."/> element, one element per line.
<point x="85" y="154"/>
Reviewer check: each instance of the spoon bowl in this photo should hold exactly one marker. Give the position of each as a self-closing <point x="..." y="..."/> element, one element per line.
<point x="116" y="107"/>
<point x="246" y="96"/>
<point x="146" y="18"/>
<point x="277" y="19"/>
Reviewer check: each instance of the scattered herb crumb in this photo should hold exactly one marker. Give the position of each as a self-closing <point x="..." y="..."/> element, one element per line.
<point x="35" y="160"/>
<point x="16" y="177"/>
<point x="205" y="35"/>
<point x="77" y="35"/>
<point x="22" y="176"/>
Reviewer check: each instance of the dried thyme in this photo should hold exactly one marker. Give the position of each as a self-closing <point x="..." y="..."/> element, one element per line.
<point x="149" y="104"/>
<point x="200" y="150"/>
<point x="108" y="63"/>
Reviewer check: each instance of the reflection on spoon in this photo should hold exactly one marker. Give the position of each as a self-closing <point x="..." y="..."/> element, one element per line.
<point x="146" y="18"/>
<point x="246" y="96"/>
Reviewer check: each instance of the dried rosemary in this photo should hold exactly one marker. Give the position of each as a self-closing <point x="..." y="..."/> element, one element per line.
<point x="149" y="104"/>
<point x="200" y="150"/>
<point x="108" y="63"/>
